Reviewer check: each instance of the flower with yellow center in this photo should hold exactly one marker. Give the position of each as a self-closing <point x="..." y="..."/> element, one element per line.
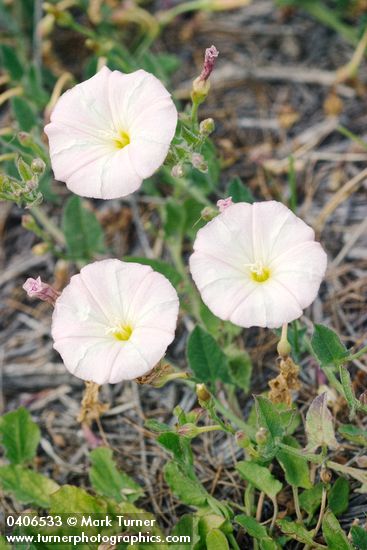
<point x="114" y="321"/>
<point x="110" y="132"/>
<point x="257" y="264"/>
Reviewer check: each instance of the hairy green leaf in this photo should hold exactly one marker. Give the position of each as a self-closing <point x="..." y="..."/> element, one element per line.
<point x="108" y="481"/>
<point x="83" y="233"/>
<point x="338" y="497"/>
<point x="327" y="346"/>
<point x="20" y="436"/>
<point x="354" y="434"/>
<point x="24" y="113"/>
<point x="319" y="425"/>
<point x="239" y="192"/>
<point x="310" y="500"/>
<point x="27" y="486"/>
<point x="240" y="368"/>
<point x="216" y="540"/>
<point x="359" y="537"/>
<point x="73" y="500"/>
<point x="259" y="477"/>
<point x="206" y="359"/>
<point x="188" y="525"/>
<point x="295" y="467"/>
<point x="297" y="531"/>
<point x="333" y="533"/>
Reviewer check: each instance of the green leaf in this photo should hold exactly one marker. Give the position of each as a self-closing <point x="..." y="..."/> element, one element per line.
<point x="327" y="346"/>
<point x="23" y="113"/>
<point x="206" y="359"/>
<point x="156" y="426"/>
<point x="73" y="500"/>
<point x="83" y="233"/>
<point x="296" y="468"/>
<point x="174" y="224"/>
<point x="297" y="531"/>
<point x="108" y="481"/>
<point x="252" y="527"/>
<point x="259" y="477"/>
<point x="189" y="491"/>
<point x="211" y="321"/>
<point x="269" y="417"/>
<point x="178" y="446"/>
<point x="11" y="62"/>
<point x="240" y="368"/>
<point x="20" y="436"/>
<point x="359" y="537"/>
<point x="158" y="265"/>
<point x="333" y="533"/>
<point x="193" y="220"/>
<point x="27" y="486"/>
<point x="239" y="192"/>
<point x="310" y="500"/>
<point x="188" y="525"/>
<point x="3" y="544"/>
<point x="256" y="531"/>
<point x="338" y="498"/>
<point x="354" y="434"/>
<point x="216" y="540"/>
<point x="319" y="425"/>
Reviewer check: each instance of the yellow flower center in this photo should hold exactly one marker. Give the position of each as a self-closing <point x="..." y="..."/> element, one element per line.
<point x="122" y="332"/>
<point x="258" y="272"/>
<point x="122" y="140"/>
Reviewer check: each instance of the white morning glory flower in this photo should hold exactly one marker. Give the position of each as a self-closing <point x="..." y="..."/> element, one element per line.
<point x="114" y="321"/>
<point x="257" y="264"/>
<point x="110" y="132"/>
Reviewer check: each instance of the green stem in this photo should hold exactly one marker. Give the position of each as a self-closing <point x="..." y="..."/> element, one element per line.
<point x="359" y="353"/>
<point x="241" y="424"/>
<point x="233" y="542"/>
<point x="45" y="221"/>
<point x="296" y="503"/>
<point x="249" y="498"/>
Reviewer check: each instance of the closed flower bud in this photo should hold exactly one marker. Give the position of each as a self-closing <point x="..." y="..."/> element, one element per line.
<point x="202" y="393"/>
<point x="207" y="127"/>
<point x="208" y="213"/>
<point x="200" y="89"/>
<point x="261" y="436"/>
<point x="242" y="440"/>
<point x="325" y="475"/>
<point x="177" y="171"/>
<point x="24" y="138"/>
<point x="38" y="166"/>
<point x="188" y="430"/>
<point x="198" y="162"/>
<point x="283" y="348"/>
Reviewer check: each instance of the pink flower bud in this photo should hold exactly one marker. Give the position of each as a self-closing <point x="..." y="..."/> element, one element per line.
<point x="35" y="288"/>
<point x="224" y="203"/>
<point x="210" y="56"/>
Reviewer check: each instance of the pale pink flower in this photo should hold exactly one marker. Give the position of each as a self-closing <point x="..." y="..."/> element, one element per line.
<point x="224" y="203"/>
<point x="35" y="288"/>
<point x="257" y="264"/>
<point x="110" y="132"/>
<point x="114" y="321"/>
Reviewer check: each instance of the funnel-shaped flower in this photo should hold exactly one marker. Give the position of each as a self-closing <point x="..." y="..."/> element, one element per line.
<point x="257" y="265"/>
<point x="110" y="132"/>
<point x="114" y="321"/>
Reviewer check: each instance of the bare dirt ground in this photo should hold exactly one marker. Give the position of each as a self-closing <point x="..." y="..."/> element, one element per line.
<point x="273" y="94"/>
